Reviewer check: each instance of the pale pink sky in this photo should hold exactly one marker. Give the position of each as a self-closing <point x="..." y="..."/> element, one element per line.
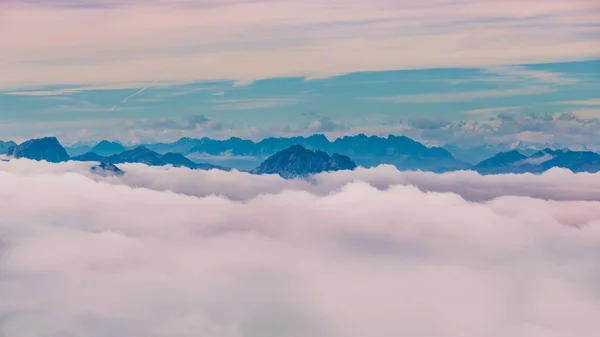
<point x="92" y="42"/>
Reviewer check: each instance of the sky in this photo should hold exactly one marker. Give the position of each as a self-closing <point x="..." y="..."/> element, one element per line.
<point x="461" y="72"/>
<point x="173" y="252"/>
<point x="178" y="252"/>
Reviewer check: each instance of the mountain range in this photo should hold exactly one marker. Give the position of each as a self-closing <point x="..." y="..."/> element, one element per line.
<point x="540" y="161"/>
<point x="301" y="156"/>
<point x="367" y="151"/>
<point x="143" y="155"/>
<point x="50" y="150"/>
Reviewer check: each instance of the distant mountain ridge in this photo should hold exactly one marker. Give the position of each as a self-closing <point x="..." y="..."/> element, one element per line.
<point x="5" y="146"/>
<point x="479" y="153"/>
<point x="143" y="155"/>
<point x="473" y="155"/>
<point x="106" y="148"/>
<point x="500" y="162"/>
<point x="300" y="160"/>
<point x="516" y="162"/>
<point x="49" y="149"/>
<point x="367" y="151"/>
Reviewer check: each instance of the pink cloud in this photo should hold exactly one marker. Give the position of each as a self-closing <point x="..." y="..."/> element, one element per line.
<point x="93" y="256"/>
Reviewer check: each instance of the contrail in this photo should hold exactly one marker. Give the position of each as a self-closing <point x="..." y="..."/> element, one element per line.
<point x="139" y="92"/>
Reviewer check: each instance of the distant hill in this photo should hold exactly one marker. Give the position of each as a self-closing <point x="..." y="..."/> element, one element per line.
<point x="400" y="151"/>
<point x="90" y="156"/>
<point x="106" y="148"/>
<point x="233" y="145"/>
<point x="143" y="155"/>
<point x="48" y="149"/>
<point x="183" y="146"/>
<point x="296" y="161"/>
<point x="500" y="162"/>
<point x="472" y="155"/>
<point x="576" y="161"/>
<point x="4" y="146"/>
<point x="272" y="145"/>
<point x="516" y="162"/>
<point x="140" y="154"/>
<point x="78" y="150"/>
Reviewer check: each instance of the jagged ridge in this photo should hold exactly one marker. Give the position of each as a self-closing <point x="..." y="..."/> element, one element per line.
<point x="296" y="161"/>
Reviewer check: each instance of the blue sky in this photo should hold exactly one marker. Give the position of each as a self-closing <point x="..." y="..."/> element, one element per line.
<point x="442" y="71"/>
<point x="420" y="103"/>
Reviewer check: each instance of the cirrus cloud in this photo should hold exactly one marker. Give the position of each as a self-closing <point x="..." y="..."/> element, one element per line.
<point x="77" y="42"/>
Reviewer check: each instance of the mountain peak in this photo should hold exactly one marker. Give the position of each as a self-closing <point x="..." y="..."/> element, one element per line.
<point x="296" y="147"/>
<point x="47" y="149"/>
<point x="141" y="148"/>
<point x="106" y="169"/>
<point x="185" y="139"/>
<point x="317" y="136"/>
<point x="297" y="161"/>
<point x="5" y="146"/>
<point x="107" y="148"/>
<point x="499" y="161"/>
<point x="89" y="156"/>
<point x="140" y="154"/>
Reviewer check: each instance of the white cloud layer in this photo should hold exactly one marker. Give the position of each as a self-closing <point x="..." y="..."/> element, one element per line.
<point x="350" y="254"/>
<point x="54" y="42"/>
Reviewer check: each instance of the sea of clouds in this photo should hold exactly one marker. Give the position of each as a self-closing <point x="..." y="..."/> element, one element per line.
<point x="165" y="251"/>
